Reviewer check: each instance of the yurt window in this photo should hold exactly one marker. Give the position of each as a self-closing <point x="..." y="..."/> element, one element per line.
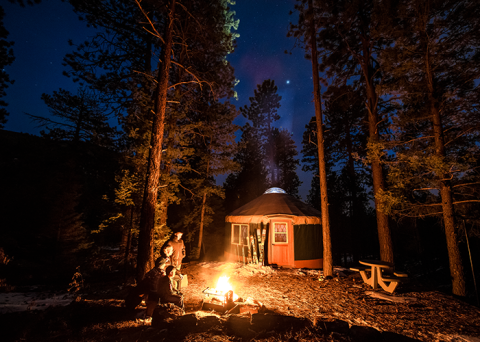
<point x="280" y="232"/>
<point x="240" y="234"/>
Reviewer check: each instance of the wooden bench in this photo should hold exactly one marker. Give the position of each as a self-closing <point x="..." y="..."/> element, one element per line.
<point x="360" y="268"/>
<point x="392" y="280"/>
<point x="381" y="273"/>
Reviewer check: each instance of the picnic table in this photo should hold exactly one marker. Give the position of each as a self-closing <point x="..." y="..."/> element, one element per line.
<point x="381" y="273"/>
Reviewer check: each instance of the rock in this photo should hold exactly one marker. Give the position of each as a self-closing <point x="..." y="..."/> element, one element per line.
<point x="337" y="325"/>
<point x="367" y="334"/>
<point x="208" y="322"/>
<point x="164" y="314"/>
<point x="267" y="322"/>
<point x="184" y="323"/>
<point x="240" y="326"/>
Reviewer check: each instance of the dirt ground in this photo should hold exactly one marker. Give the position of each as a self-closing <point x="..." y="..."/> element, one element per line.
<point x="427" y="316"/>
<point x="298" y="305"/>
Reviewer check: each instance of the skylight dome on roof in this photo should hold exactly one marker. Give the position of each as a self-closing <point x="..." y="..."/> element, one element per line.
<point x="275" y="191"/>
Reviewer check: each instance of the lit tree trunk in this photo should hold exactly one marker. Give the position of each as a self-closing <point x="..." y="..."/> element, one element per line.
<point x="128" y="243"/>
<point x="383" y="227"/>
<point x="327" y="242"/>
<point x="454" y="257"/>
<point x="202" y="216"/>
<point x="200" y="233"/>
<point x="145" y="257"/>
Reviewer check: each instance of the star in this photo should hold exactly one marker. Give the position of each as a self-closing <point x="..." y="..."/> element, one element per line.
<point x="288" y="81"/>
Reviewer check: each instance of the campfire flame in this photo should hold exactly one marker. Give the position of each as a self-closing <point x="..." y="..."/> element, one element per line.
<point x="223" y="286"/>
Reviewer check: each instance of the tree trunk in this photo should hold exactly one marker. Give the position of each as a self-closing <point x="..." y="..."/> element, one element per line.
<point x="327" y="242"/>
<point x="354" y="205"/>
<point x="128" y="244"/>
<point x="78" y="124"/>
<point x="147" y="219"/>
<point x="383" y="227"/>
<point x="200" y="233"/>
<point x="454" y="257"/>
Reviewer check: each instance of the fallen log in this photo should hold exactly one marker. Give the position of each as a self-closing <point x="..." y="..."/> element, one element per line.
<point x="390" y="298"/>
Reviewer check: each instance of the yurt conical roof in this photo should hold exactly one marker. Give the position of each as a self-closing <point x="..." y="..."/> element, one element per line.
<point x="275" y="202"/>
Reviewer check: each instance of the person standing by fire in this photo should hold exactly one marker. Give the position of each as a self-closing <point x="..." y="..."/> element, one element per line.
<point x="178" y="246"/>
<point x="178" y="249"/>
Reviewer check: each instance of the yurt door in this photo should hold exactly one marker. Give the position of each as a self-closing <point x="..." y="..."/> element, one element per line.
<point x="281" y="243"/>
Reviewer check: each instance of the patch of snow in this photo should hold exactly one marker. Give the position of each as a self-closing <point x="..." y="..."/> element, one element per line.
<point x="17" y="301"/>
<point x="340" y="269"/>
<point x="107" y="248"/>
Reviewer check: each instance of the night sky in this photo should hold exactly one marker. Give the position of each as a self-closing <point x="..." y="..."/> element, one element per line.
<point x="41" y="35"/>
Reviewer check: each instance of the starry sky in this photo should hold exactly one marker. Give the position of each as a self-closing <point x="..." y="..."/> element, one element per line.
<point x="41" y="35"/>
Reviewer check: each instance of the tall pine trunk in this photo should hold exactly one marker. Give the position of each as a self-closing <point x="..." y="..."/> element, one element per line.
<point x="383" y="227"/>
<point x="454" y="257"/>
<point x="200" y="233"/>
<point x="202" y="216"/>
<point x="128" y="243"/>
<point x="327" y="242"/>
<point x="147" y="219"/>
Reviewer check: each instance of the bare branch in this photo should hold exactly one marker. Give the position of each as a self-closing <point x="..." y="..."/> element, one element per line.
<point x="466" y="184"/>
<point x="156" y="34"/>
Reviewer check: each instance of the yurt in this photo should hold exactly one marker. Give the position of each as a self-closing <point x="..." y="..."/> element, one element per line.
<point x="287" y="230"/>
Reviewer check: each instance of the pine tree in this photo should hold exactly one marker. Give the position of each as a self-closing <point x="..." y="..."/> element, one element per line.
<point x="286" y="161"/>
<point x="322" y="174"/>
<point x="6" y="58"/>
<point x="214" y="142"/>
<point x="77" y="118"/>
<point x="251" y="180"/>
<point x="262" y="112"/>
<point x="347" y="44"/>
<point x="123" y="59"/>
<point x="434" y="68"/>
<point x="346" y="140"/>
<point x="117" y="62"/>
<point x="266" y="155"/>
<point x="202" y="131"/>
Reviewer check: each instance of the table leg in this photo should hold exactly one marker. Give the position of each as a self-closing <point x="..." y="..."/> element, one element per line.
<point x="373" y="279"/>
<point x="366" y="280"/>
<point x="388" y="288"/>
<point x="375" y="276"/>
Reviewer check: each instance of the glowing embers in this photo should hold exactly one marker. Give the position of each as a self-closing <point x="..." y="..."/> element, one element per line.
<point x="221" y="298"/>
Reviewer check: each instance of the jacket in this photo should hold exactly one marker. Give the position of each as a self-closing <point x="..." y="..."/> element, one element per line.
<point x="178" y="251"/>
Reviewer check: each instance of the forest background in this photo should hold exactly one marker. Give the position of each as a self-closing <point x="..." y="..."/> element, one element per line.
<point x="73" y="195"/>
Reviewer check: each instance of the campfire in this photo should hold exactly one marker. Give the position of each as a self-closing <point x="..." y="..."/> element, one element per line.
<point x="223" y="299"/>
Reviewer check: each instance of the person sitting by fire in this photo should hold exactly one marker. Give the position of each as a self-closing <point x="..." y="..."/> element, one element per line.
<point x="147" y="288"/>
<point x="179" y="253"/>
<point x="153" y="277"/>
<point x="166" y="290"/>
<point x="165" y="258"/>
